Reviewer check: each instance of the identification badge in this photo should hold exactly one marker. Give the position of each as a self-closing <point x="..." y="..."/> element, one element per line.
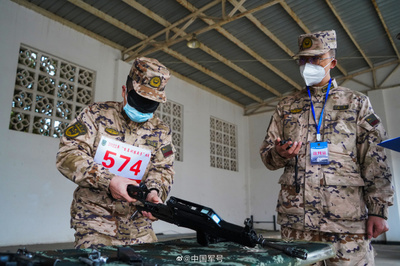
<point x="319" y="153"/>
<point x="122" y="159"/>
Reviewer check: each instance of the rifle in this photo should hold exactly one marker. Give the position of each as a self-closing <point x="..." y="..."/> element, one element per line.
<point x="25" y="257"/>
<point x="209" y="226"/>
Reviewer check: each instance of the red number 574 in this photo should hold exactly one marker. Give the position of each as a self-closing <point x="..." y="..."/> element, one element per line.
<point x="111" y="161"/>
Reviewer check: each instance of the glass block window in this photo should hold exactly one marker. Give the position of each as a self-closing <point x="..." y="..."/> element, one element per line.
<point x="49" y="93"/>
<point x="172" y="114"/>
<point x="223" y="145"/>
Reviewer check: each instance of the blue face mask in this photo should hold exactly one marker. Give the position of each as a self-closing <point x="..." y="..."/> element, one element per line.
<point x="135" y="115"/>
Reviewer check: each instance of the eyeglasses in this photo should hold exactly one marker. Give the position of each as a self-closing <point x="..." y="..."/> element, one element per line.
<point x="311" y="59"/>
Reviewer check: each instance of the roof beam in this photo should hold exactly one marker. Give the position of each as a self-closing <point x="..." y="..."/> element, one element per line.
<point x="240" y="44"/>
<point x="378" y="11"/>
<point x="137" y="34"/>
<point x="264" y="29"/>
<point x="294" y="16"/>
<point x="389" y="75"/>
<point x="256" y="108"/>
<point x="374" y="79"/>
<point x="67" y="23"/>
<point x="94" y="11"/>
<point x="189" y="17"/>
<point x="391" y="86"/>
<point x="240" y="70"/>
<point x="350" y="76"/>
<point x="349" y="33"/>
<point x="208" y="50"/>
<point x="266" y="106"/>
<point x="211" y="74"/>
<point x="201" y="86"/>
<point x="304" y="27"/>
<point x="182" y="30"/>
<point x="362" y="83"/>
<point x="236" y="7"/>
<point x="211" y="26"/>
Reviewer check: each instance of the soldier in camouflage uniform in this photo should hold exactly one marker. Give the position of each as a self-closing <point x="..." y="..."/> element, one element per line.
<point x="344" y="195"/>
<point x="110" y="138"/>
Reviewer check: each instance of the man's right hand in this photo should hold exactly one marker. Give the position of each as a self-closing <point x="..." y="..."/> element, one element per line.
<point x="118" y="188"/>
<point x="285" y="151"/>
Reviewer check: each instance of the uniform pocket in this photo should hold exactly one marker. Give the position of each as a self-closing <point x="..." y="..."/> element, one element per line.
<point x="342" y="197"/>
<point x="287" y="178"/>
<point x="344" y="166"/>
<point x="290" y="202"/>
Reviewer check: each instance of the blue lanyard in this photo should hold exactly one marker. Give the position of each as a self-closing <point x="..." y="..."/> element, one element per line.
<point x="322" y="112"/>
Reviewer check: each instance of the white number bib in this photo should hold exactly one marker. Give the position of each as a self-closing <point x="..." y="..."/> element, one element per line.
<point x="122" y="159"/>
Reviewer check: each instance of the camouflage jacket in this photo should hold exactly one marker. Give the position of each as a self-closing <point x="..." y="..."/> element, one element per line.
<point x="339" y="196"/>
<point x="93" y="207"/>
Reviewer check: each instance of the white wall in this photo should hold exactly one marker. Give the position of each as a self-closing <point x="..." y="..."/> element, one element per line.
<point x="264" y="187"/>
<point x="35" y="197"/>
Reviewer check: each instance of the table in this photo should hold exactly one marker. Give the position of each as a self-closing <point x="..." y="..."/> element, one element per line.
<point x="188" y="251"/>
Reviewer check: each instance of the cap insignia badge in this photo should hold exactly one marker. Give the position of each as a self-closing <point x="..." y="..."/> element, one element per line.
<point x="155" y="82"/>
<point x="307" y="43"/>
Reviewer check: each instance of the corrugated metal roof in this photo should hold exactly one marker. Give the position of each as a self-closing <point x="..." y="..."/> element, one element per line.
<point x="245" y="57"/>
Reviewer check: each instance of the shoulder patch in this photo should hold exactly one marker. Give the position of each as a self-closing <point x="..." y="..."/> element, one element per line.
<point x="167" y="150"/>
<point x="340" y="107"/>
<point x="111" y="131"/>
<point x="372" y="120"/>
<point x="75" y="130"/>
<point x="151" y="143"/>
<point x="297" y="110"/>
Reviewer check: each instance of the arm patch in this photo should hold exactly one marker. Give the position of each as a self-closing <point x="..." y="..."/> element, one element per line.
<point x="372" y="120"/>
<point x="75" y="130"/>
<point x="167" y="150"/>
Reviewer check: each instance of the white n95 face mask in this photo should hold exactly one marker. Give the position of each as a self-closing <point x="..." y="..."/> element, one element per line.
<point x="313" y="74"/>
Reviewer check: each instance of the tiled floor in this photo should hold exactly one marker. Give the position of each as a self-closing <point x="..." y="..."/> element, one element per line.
<point x="387" y="255"/>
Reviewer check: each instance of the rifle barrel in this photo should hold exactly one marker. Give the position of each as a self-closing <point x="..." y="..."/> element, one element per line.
<point x="290" y="251"/>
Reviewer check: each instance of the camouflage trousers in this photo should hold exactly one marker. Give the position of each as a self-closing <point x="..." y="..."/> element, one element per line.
<point x="351" y="249"/>
<point x="86" y="238"/>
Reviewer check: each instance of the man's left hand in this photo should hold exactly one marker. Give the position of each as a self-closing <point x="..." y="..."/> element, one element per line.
<point x="376" y="226"/>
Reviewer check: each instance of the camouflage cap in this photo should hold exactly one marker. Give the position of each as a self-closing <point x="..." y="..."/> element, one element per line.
<point x="317" y="43"/>
<point x="149" y="78"/>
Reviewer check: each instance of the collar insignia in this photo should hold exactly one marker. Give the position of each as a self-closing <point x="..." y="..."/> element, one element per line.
<point x="341" y="107"/>
<point x="151" y="143"/>
<point x="325" y="88"/>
